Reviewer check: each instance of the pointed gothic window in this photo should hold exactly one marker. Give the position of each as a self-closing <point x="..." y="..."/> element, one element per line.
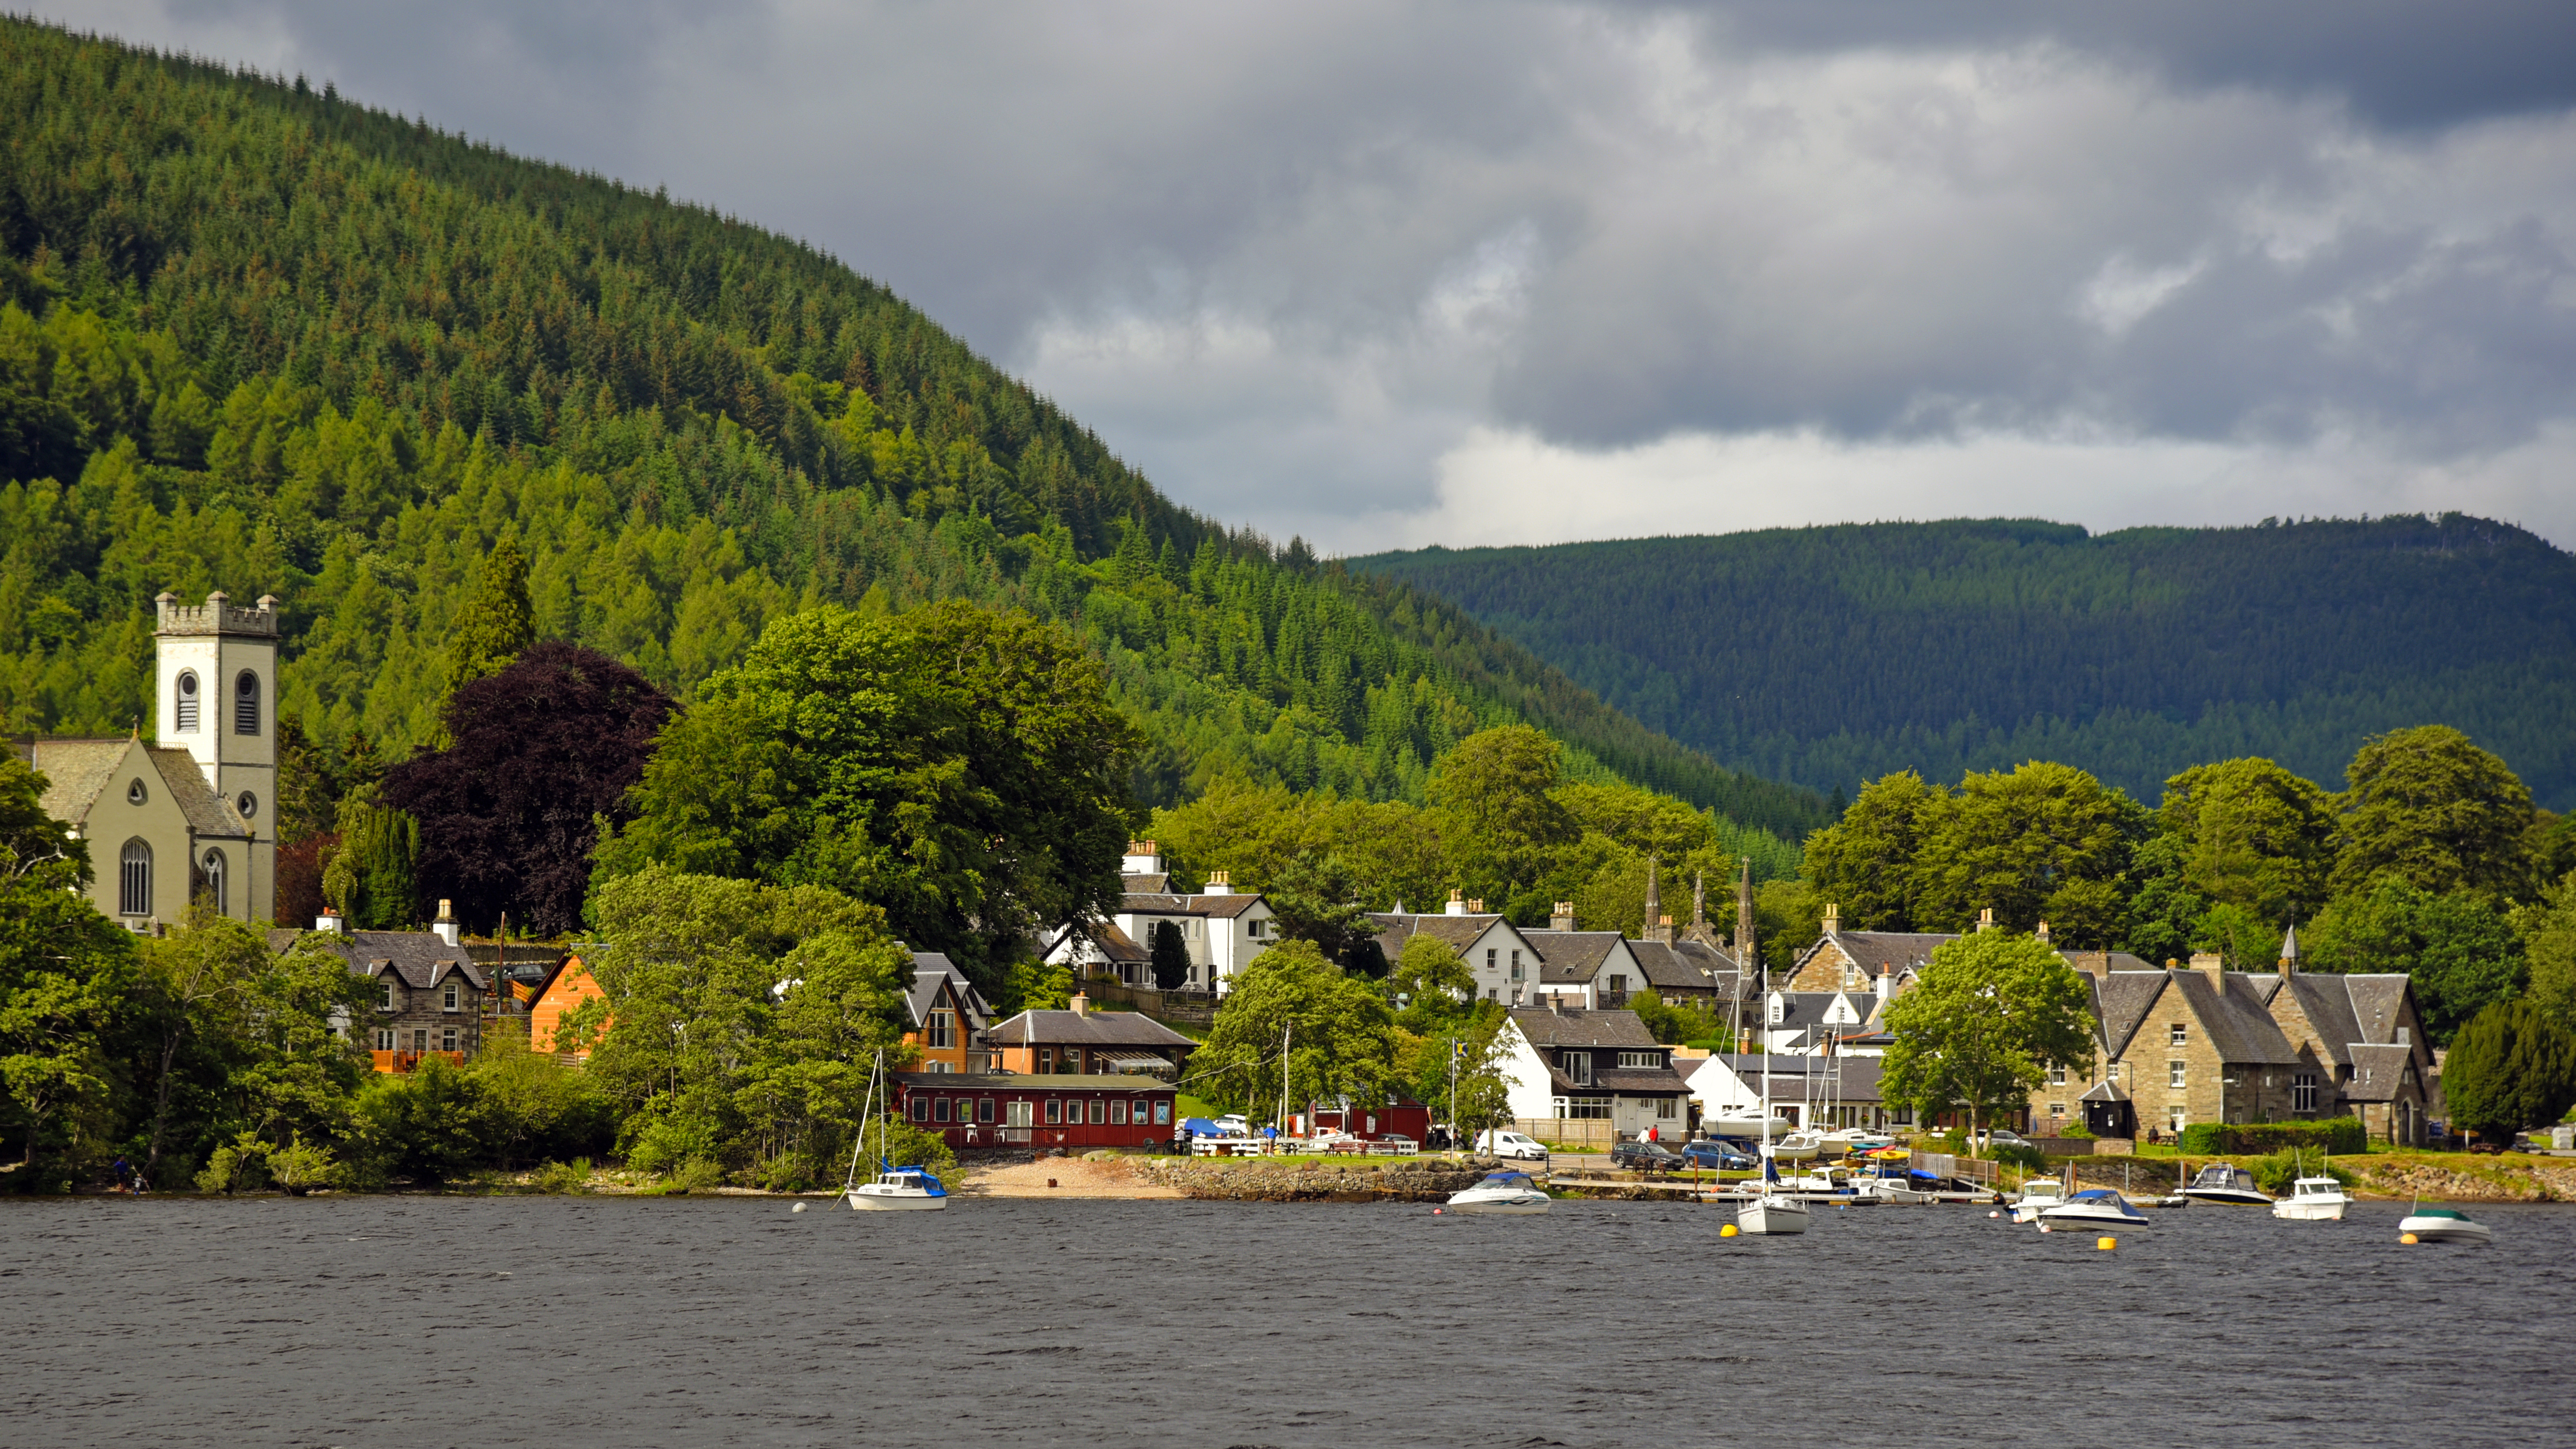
<point x="134" y="879"/>
<point x="212" y="868"/>
<point x="185" y="715"/>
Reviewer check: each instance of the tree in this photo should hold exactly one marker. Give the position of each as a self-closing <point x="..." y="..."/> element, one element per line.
<point x="541" y="752"/>
<point x="1459" y="1069"/>
<point x="373" y="874"/>
<point x="1433" y="981"/>
<point x="1991" y="1012"/>
<point x="2461" y="953"/>
<point x="1336" y="1030"/>
<point x="2511" y="1067"/>
<point x="66" y="979"/>
<point x="496" y="624"/>
<point x="1314" y="899"/>
<point x="2548" y="932"/>
<point x="1169" y="956"/>
<point x="2430" y="806"/>
<point x="2251" y="835"/>
<point x="1496" y="810"/>
<point x="2046" y="842"/>
<point x="960" y="768"/>
<point x="1864" y="863"/>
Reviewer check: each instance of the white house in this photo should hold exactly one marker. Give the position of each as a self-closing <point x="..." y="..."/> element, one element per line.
<point x="188" y="815"/>
<point x="1586" y="968"/>
<point x="1565" y="1065"/>
<point x="1819" y="1090"/>
<point x="1505" y="964"/>
<point x="1222" y="928"/>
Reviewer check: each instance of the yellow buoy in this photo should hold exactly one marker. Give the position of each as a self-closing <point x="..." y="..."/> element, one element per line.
<point x="2106" y="1244"/>
<point x="2406" y="1237"/>
<point x="1729" y="1231"/>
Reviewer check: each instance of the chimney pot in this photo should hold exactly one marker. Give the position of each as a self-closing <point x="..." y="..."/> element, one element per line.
<point x="2043" y="932"/>
<point x="1986" y="919"/>
<point x="1476" y="907"/>
<point x="1080" y="1003"/>
<point x="1563" y="918"/>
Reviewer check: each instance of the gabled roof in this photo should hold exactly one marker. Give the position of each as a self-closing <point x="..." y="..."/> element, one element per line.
<point x="1678" y="967"/>
<point x="1456" y="932"/>
<point x="1871" y="950"/>
<point x="1088" y="1028"/>
<point x="76" y="773"/>
<point x="1141" y="883"/>
<point x="2122" y="1000"/>
<point x="2377" y="1003"/>
<point x="420" y="959"/>
<point x="208" y="813"/>
<point x="2105" y="1090"/>
<point x="2378" y="1073"/>
<point x="1847" y="1078"/>
<point x="1567" y="957"/>
<point x="1160" y="903"/>
<point x="2232" y="1010"/>
<point x="1576" y="1027"/>
<point x="2326" y="1001"/>
<point x="932" y="970"/>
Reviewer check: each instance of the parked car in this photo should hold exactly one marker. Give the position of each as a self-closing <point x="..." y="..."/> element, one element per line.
<point x="2001" y="1138"/>
<point x="1512" y="1145"/>
<point x="1644" y="1157"/>
<point x="1708" y="1153"/>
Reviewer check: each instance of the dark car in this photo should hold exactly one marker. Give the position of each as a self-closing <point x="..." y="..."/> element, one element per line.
<point x="1644" y="1157"/>
<point x="1711" y="1153"/>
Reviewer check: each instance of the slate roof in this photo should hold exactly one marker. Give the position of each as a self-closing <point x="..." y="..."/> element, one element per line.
<point x="1162" y="903"/>
<point x="1030" y="1082"/>
<point x="2378" y="1073"/>
<point x="1639" y="1081"/>
<point x="930" y="969"/>
<point x="1870" y="950"/>
<point x="75" y="772"/>
<point x="1569" y="957"/>
<point x="2104" y="1091"/>
<point x="1677" y="967"/>
<point x="208" y="813"/>
<point x="2375" y="1006"/>
<point x="1089" y="1028"/>
<point x="2233" y="1011"/>
<point x="1142" y="883"/>
<point x="1456" y="932"/>
<point x="2121" y="1001"/>
<point x="420" y="959"/>
<point x="1576" y="1027"/>
<point x="1857" y="1081"/>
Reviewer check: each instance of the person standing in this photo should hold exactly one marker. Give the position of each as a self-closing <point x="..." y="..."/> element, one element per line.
<point x="125" y="1177"/>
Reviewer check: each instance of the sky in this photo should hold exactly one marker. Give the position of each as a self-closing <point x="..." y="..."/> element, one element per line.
<point x="1389" y="275"/>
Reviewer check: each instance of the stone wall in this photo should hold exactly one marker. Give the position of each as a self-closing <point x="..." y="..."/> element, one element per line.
<point x="1416" y="1179"/>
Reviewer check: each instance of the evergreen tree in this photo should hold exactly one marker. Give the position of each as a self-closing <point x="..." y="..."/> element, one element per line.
<point x="2511" y="1067"/>
<point x="1170" y="956"/>
<point x="490" y="632"/>
<point x="373" y="874"/>
<point x="2428" y="805"/>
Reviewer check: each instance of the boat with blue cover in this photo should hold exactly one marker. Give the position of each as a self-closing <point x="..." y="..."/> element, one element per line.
<point x="1501" y="1192"/>
<point x="2094" y="1206"/>
<point x="912" y="1188"/>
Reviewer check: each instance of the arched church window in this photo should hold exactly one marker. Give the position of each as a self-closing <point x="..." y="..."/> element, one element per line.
<point x="134" y="879"/>
<point x="213" y="867"/>
<point x="185" y="721"/>
<point x="246" y="704"/>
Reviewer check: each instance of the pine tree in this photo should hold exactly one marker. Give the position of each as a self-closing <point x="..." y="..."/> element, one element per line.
<point x="492" y="629"/>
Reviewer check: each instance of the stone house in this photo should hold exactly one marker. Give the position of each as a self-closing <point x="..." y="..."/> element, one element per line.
<point x="1843" y="960"/>
<point x="1595" y="1076"/>
<point x="429" y="995"/>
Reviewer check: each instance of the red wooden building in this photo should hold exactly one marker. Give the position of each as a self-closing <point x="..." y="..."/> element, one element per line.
<point x="1044" y="1111"/>
<point x="1403" y="1116"/>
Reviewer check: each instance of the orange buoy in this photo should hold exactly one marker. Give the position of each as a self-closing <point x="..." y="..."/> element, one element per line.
<point x="2407" y="1238"/>
<point x="2106" y="1244"/>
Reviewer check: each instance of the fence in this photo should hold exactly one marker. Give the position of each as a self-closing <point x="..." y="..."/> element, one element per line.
<point x="1192" y="1006"/>
<point x="1575" y="1132"/>
<point x="1943" y="1164"/>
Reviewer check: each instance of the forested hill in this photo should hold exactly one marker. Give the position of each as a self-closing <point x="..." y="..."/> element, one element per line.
<point x="262" y="339"/>
<point x="1831" y="655"/>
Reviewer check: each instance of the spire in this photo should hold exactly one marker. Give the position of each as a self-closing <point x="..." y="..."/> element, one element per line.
<point x="2290" y="952"/>
<point x="1699" y="901"/>
<point x="1744" y="916"/>
<point x="1654" y="890"/>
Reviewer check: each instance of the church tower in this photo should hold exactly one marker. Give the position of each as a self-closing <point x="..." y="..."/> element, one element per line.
<point x="217" y="699"/>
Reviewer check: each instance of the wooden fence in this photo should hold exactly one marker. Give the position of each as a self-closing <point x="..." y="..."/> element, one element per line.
<point x="1197" y="1007"/>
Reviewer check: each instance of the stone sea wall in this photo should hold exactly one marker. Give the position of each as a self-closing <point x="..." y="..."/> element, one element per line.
<point x="1231" y="1179"/>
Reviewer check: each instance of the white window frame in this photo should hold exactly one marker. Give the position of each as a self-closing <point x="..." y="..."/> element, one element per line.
<point x="2178" y="1075"/>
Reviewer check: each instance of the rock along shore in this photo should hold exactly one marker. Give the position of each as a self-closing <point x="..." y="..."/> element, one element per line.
<point x="1231" y="1179"/>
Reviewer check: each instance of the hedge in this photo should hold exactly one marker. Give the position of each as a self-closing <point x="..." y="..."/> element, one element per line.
<point x="2335" y="1134"/>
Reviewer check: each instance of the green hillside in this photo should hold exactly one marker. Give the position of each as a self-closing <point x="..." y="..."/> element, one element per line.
<point x="1827" y="656"/>
<point x="262" y="339"/>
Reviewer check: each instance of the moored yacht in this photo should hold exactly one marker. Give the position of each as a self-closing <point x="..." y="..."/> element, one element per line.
<point x="2313" y="1200"/>
<point x="899" y="1189"/>
<point x="2225" y="1182"/>
<point x="2038" y="1194"/>
<point x="1501" y="1192"/>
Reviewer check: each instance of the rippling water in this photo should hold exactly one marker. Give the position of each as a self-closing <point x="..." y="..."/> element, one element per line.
<point x="578" y="1321"/>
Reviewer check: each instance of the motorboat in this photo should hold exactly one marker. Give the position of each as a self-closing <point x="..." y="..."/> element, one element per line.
<point x="1821" y="1179"/>
<point x="2225" y="1182"/>
<point x="1891" y="1189"/>
<point x="2444" y="1225"/>
<point x="894" y="1189"/>
<point x="1773" y="1215"/>
<point x="1799" y="1146"/>
<point x="2038" y="1195"/>
<point x="900" y="1189"/>
<point x="1501" y="1192"/>
<point x="2313" y="1200"/>
<point x="1760" y="1129"/>
<point x="2094" y="1206"/>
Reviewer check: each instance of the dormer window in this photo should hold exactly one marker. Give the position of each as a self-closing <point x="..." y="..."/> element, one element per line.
<point x="448" y="1001"/>
<point x="1578" y="1068"/>
<point x="184" y="715"/>
<point x="246" y="704"/>
<point x="386" y="1001"/>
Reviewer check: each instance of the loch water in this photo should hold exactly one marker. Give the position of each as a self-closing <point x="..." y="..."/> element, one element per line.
<point x="733" y="1321"/>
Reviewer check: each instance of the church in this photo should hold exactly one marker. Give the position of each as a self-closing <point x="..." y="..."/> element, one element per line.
<point x="188" y="814"/>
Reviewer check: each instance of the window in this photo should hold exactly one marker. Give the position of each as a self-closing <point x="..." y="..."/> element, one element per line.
<point x="1015" y="1114"/>
<point x="1490" y="954"/>
<point x="1097" y="1108"/>
<point x="2303" y="1092"/>
<point x="135" y="794"/>
<point x="248" y="805"/>
<point x="2174" y="1074"/>
<point x="384" y="1038"/>
<point x="447" y="1001"/>
<point x="212" y="868"/>
<point x="1492" y="992"/>
<point x="246" y="704"/>
<point x="1118" y="1114"/>
<point x="2405" y="1036"/>
<point x="1901" y="1116"/>
<point x="420" y="1039"/>
<point x="1055" y="1111"/>
<point x="1618" y="982"/>
<point x="984" y="1110"/>
<point x="1255" y="929"/>
<point x="1162" y="1114"/>
<point x="1072" y="1061"/>
<point x="943" y="1029"/>
<point x="939" y="1109"/>
<point x="1046" y="1059"/>
<point x="2057" y="1076"/>
<point x="2057" y="1109"/>
<point x="1647" y="1060"/>
<point x="186" y="711"/>
<point x="2177" y="1035"/>
<point x="387" y="981"/>
<point x="1136" y="1112"/>
<point x="134" y="878"/>
<point x="1666" y="1107"/>
<point x="2176" y="1119"/>
<point x="921" y="1109"/>
<point x="1578" y="1067"/>
<point x="447" y="1039"/>
<point x="1516" y="967"/>
<point x="1583" y="1109"/>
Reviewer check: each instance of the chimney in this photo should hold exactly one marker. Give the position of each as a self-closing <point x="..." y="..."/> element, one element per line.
<point x="1475" y="907"/>
<point x="1457" y="903"/>
<point x="1080" y="1003"/>
<point x="331" y="921"/>
<point x="2043" y="933"/>
<point x="1563" y="919"/>
<point x="1661" y="930"/>
<point x="1833" y="918"/>
<point x="1556" y="1002"/>
<point x="445" y="925"/>
<point x="1886" y="981"/>
<point x="1219" y="883"/>
<point x="1142" y="859"/>
<point x="2211" y="965"/>
<point x="1986" y="919"/>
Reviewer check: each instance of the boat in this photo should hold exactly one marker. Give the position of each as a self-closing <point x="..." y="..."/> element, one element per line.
<point x="894" y="1189"/>
<point x="2444" y="1225"/>
<point x="2313" y="1200"/>
<point x="1801" y="1145"/>
<point x="1774" y="1213"/>
<point x="2038" y="1194"/>
<point x="2225" y="1182"/>
<point x="1501" y="1192"/>
<point x="1827" y="1179"/>
<point x="1892" y="1189"/>
<point x="1763" y="1129"/>
<point x="2093" y="1206"/>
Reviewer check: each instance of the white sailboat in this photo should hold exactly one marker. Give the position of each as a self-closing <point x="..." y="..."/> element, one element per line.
<point x="895" y="1189"/>
<point x="1774" y="1213"/>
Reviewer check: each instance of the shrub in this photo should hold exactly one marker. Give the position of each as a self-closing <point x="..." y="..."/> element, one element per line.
<point x="301" y="1167"/>
<point x="2076" y="1131"/>
<point x="2275" y="1173"/>
<point x="2334" y="1134"/>
<point x="695" y="1175"/>
<point x="562" y="1178"/>
<point x="236" y="1166"/>
<point x="2021" y="1155"/>
<point x="2201" y="1139"/>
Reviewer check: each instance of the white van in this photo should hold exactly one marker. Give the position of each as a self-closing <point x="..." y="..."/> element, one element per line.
<point x="1511" y="1144"/>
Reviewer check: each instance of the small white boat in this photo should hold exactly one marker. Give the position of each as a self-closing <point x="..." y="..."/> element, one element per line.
<point x="2037" y="1196"/>
<point x="2313" y="1200"/>
<point x="1821" y="1179"/>
<point x="1890" y="1189"/>
<point x="1772" y="1215"/>
<point x="2225" y="1182"/>
<point x="901" y="1189"/>
<point x="1799" y="1146"/>
<point x="1501" y="1192"/>
<point x="2444" y="1225"/>
<point x="2094" y="1206"/>
<point x="1761" y="1129"/>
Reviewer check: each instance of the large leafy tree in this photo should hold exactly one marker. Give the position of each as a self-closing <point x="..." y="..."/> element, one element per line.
<point x="67" y="982"/>
<point x="961" y="768"/>
<point x="2046" y="842"/>
<point x="2251" y="834"/>
<point x="2511" y="1067"/>
<point x="1432" y="981"/>
<point x="1991" y="1012"/>
<point x="1864" y="863"/>
<point x="2548" y="932"/>
<point x="2462" y="953"/>
<point x="1338" y="1037"/>
<point x="542" y="751"/>
<point x="1318" y="900"/>
<point x="2427" y="804"/>
<point x="1492" y="796"/>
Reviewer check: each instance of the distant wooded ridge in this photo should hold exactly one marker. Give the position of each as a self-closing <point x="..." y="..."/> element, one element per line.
<point x="1826" y="656"/>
